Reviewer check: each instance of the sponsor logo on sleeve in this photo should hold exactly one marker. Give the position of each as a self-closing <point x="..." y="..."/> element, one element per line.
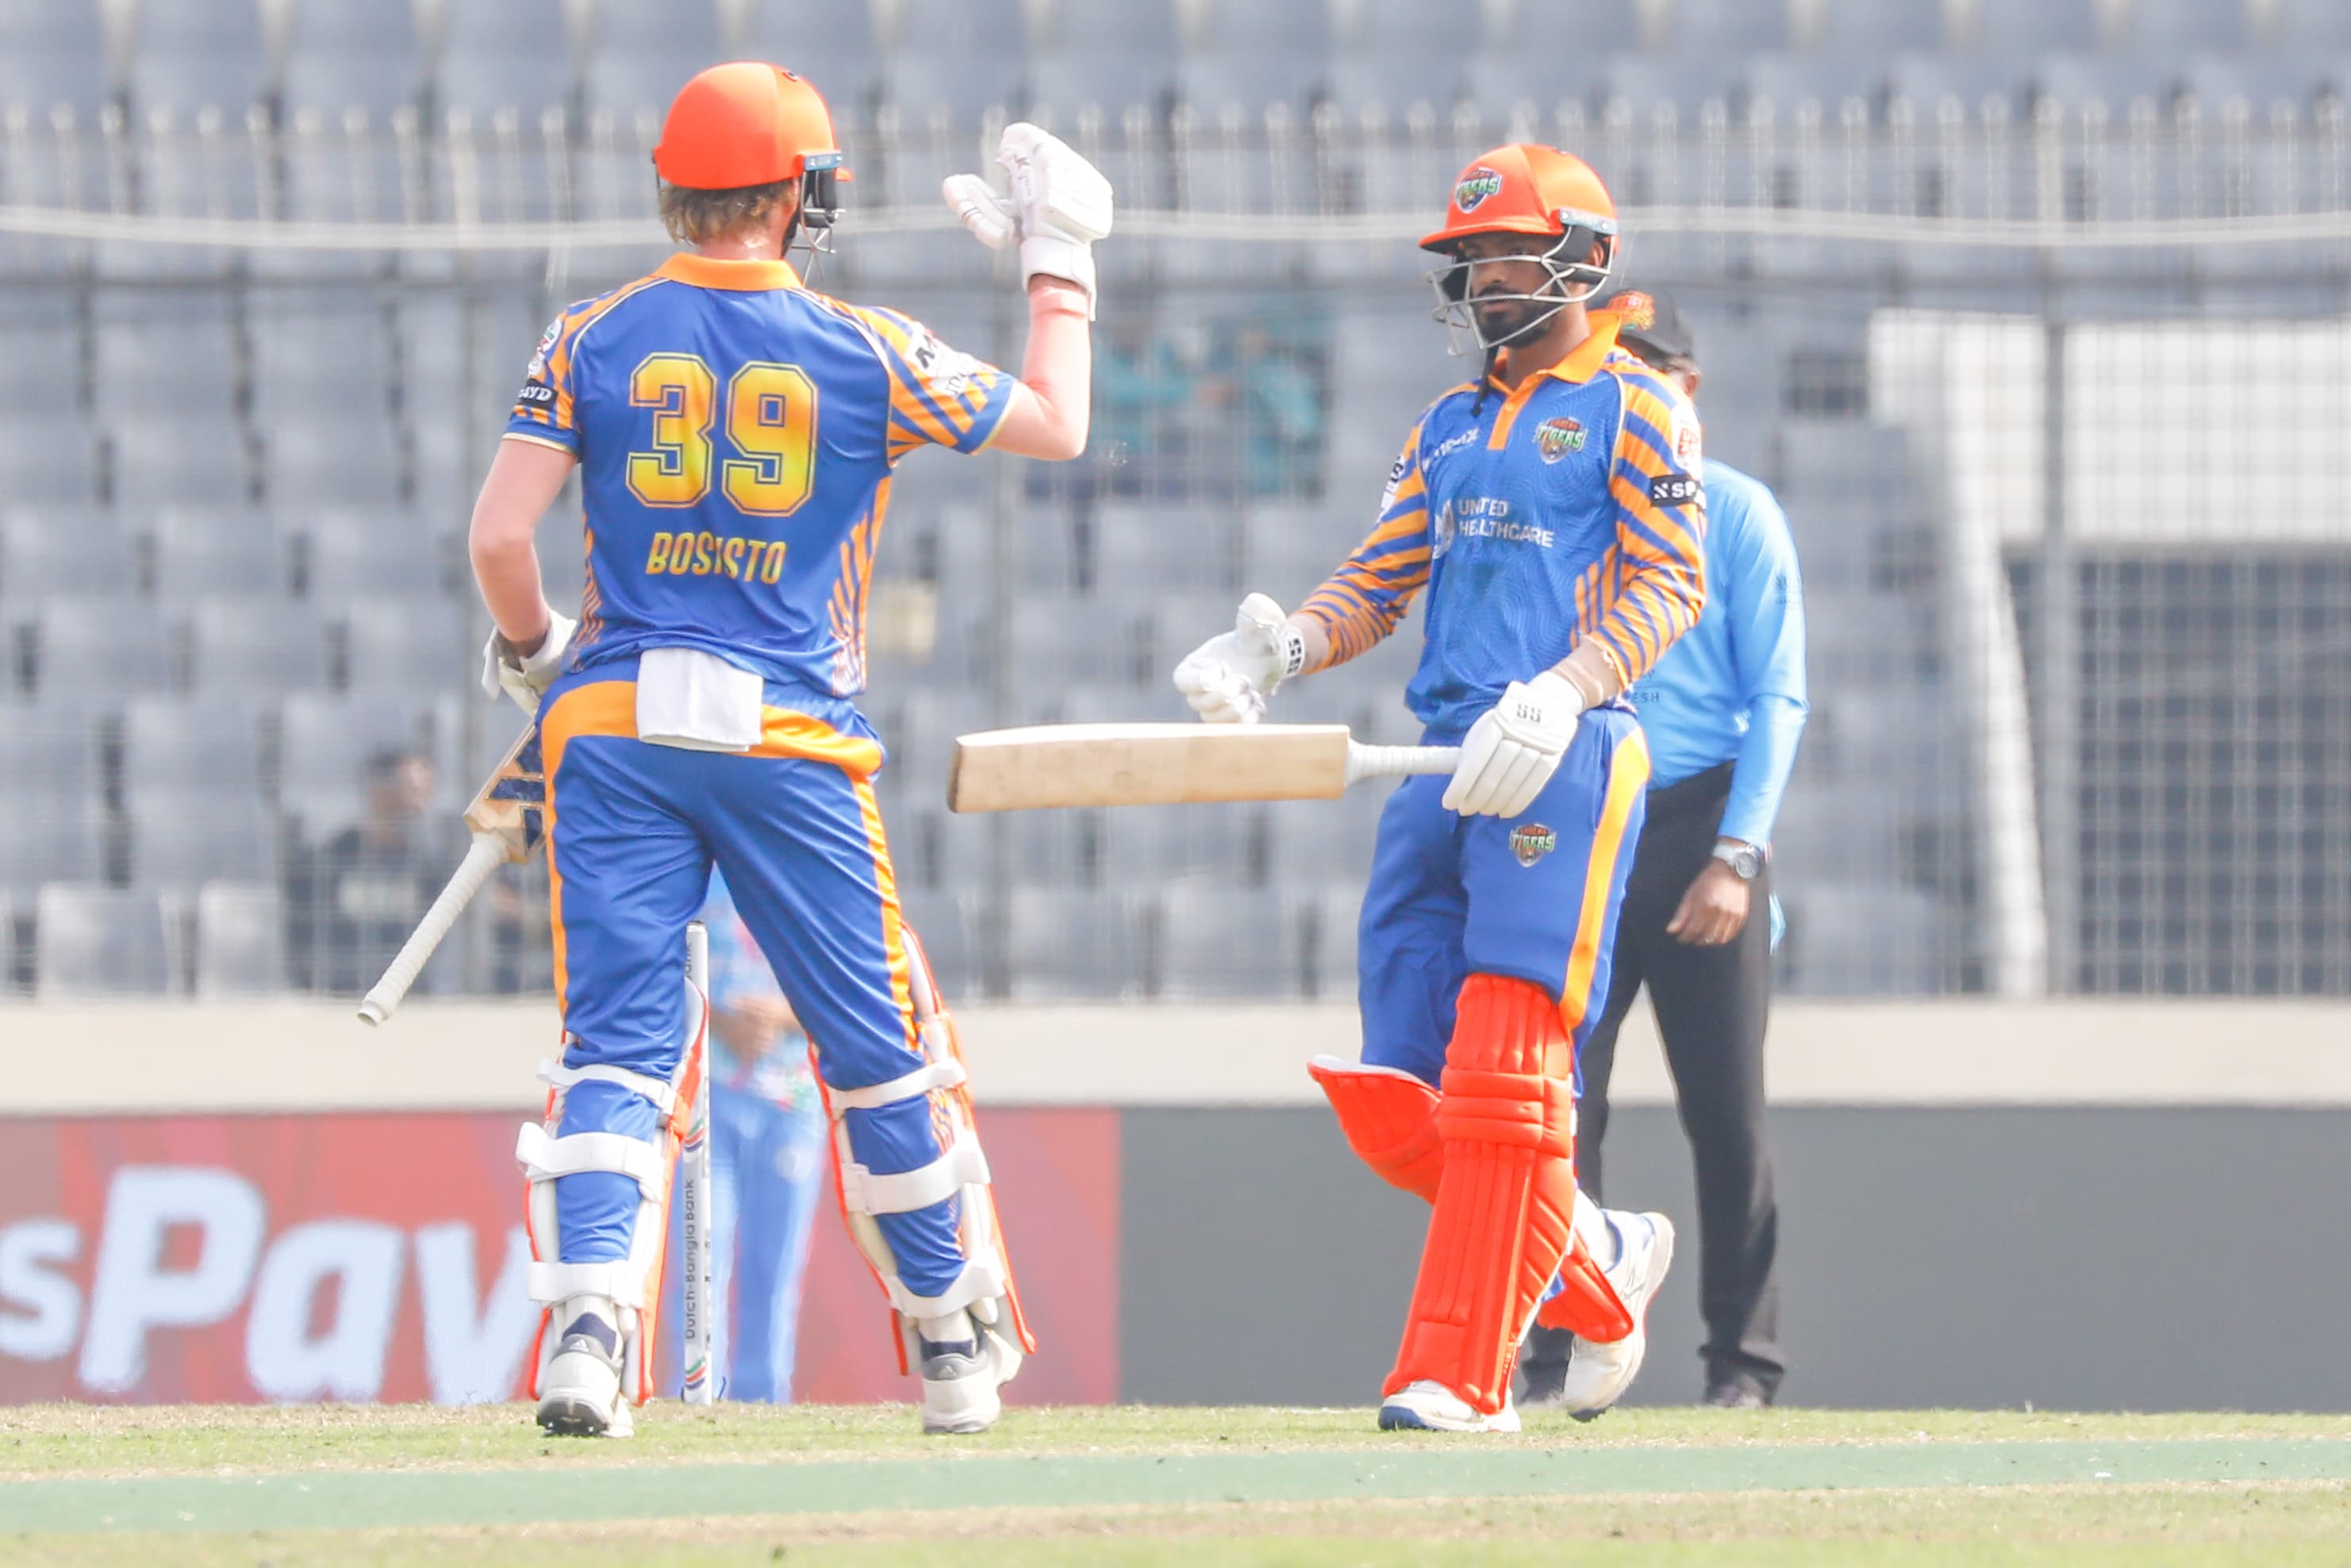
<point x="1685" y="435"/>
<point x="1530" y="842"/>
<point x="1476" y="186"/>
<point x="1636" y="308"/>
<point x="1673" y="489"/>
<point x="537" y="369"/>
<point x="536" y="394"/>
<point x="1555" y="438"/>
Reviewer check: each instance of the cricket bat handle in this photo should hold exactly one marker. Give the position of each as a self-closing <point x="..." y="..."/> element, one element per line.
<point x="1393" y="761"/>
<point x="484" y="855"/>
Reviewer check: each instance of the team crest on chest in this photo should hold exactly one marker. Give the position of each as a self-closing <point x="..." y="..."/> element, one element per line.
<point x="1531" y="841"/>
<point x="1555" y="438"/>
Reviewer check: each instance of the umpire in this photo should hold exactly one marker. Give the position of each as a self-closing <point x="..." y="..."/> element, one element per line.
<point x="1723" y="710"/>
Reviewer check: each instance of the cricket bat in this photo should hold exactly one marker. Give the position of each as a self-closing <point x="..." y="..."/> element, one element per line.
<point x="1171" y="764"/>
<point x="508" y="819"/>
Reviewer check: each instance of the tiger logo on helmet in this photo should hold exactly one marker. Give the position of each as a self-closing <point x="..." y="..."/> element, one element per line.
<point x="1540" y="191"/>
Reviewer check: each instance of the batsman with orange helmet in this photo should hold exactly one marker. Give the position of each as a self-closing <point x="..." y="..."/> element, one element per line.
<point x="735" y="433"/>
<point x="1552" y="511"/>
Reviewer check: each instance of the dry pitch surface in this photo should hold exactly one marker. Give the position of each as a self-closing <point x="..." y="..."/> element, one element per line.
<point x="742" y="1484"/>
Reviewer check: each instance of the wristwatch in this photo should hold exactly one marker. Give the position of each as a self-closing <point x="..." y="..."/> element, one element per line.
<point x="1745" y="860"/>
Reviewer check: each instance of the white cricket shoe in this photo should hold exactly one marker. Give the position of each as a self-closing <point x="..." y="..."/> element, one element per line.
<point x="1429" y="1406"/>
<point x="1598" y="1375"/>
<point x="960" y="1379"/>
<point x="582" y="1393"/>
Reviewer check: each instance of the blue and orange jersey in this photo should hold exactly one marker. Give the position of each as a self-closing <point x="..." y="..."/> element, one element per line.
<point x="735" y="433"/>
<point x="1569" y="509"/>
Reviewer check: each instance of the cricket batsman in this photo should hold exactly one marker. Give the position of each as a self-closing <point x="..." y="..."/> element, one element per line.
<point x="735" y="433"/>
<point x="1551" y="510"/>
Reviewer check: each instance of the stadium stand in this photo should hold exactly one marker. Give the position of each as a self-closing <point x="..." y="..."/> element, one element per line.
<point x="237" y="481"/>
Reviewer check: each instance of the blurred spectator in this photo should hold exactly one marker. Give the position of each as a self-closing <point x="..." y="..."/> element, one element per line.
<point x="768" y="1164"/>
<point x="352" y="902"/>
<point x="1142" y="389"/>
<point x="1277" y="400"/>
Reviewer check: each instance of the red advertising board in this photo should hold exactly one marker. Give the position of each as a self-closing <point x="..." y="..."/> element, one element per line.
<point x="380" y="1257"/>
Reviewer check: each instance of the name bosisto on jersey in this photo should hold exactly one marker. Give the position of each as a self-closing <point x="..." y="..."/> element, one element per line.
<point x="699" y="401"/>
<point x="1571" y="508"/>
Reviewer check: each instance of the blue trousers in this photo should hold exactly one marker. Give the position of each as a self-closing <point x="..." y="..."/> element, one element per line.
<point x="768" y="1169"/>
<point x="632" y="832"/>
<point x="1534" y="897"/>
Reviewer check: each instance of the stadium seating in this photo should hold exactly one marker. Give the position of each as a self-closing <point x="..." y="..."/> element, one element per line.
<point x="105" y="941"/>
<point x="231" y="567"/>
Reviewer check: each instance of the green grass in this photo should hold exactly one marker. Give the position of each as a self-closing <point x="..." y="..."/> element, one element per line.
<point x="859" y="1488"/>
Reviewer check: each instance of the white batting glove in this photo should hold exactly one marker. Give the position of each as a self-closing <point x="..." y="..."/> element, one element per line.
<point x="1057" y="206"/>
<point x="1512" y="751"/>
<point x="509" y="674"/>
<point x="1228" y="679"/>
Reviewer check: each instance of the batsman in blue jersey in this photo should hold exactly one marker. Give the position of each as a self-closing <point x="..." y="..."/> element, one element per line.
<point x="1723" y="712"/>
<point x="735" y="435"/>
<point x="1550" y="511"/>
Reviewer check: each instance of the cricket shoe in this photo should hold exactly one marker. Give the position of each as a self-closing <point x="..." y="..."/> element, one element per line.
<point x="1429" y="1406"/>
<point x="960" y="1379"/>
<point x="582" y="1395"/>
<point x="1598" y="1375"/>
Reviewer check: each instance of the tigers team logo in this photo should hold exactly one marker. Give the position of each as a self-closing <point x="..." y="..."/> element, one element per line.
<point x="1531" y="841"/>
<point x="1636" y="309"/>
<point x="1557" y="437"/>
<point x="1475" y="187"/>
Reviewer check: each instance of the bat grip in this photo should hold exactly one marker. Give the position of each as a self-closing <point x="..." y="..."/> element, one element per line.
<point x="1392" y="761"/>
<point x="484" y="855"/>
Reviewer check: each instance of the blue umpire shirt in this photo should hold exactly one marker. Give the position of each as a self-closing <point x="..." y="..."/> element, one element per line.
<point x="1733" y="688"/>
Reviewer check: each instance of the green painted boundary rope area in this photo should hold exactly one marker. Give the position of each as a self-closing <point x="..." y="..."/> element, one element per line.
<point x="391" y="1499"/>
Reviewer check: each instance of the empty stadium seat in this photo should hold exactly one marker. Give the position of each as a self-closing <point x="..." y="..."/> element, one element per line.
<point x="1067" y="944"/>
<point x="1142" y="551"/>
<point x="1065" y="83"/>
<point x="197" y="457"/>
<point x="347" y="556"/>
<point x="198" y="552"/>
<point x="91" y="645"/>
<point x="1142" y="846"/>
<point x="54" y="52"/>
<point x="2168" y="26"/>
<point x="103" y="941"/>
<point x="330" y="459"/>
<point x="50" y="838"/>
<point x="503" y="54"/>
<point x="325" y="742"/>
<point x="184" y="834"/>
<point x="240" y="939"/>
<point x="1223" y="943"/>
<point x="50" y="457"/>
<point x="2300" y="25"/>
<point x="408" y="646"/>
<point x="339" y="54"/>
<point x="832" y="43"/>
<point x="1332" y="917"/>
<point x="1874" y="26"/>
<point x="319" y="351"/>
<point x="2018" y="26"/>
<point x="50" y="552"/>
<point x="210" y="743"/>
<point x="45" y="365"/>
<point x="238" y="645"/>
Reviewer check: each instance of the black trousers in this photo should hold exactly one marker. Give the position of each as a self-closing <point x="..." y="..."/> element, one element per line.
<point x="1711" y="1005"/>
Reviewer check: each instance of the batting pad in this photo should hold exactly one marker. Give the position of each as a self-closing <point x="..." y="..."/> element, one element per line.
<point x="1506" y="1201"/>
<point x="633" y="1282"/>
<point x="1389" y="1118"/>
<point x="984" y="1286"/>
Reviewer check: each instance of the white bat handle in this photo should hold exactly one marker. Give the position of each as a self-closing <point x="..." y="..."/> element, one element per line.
<point x="484" y="855"/>
<point x="1391" y="761"/>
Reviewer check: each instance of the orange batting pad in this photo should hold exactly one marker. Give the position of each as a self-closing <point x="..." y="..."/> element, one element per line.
<point x="1506" y="1200"/>
<point x="1389" y="1119"/>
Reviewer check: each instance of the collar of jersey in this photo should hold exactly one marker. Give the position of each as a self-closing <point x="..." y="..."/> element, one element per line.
<point x="1580" y="362"/>
<point x="714" y="272"/>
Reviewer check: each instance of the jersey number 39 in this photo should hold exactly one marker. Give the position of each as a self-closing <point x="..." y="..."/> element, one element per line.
<point x="770" y="428"/>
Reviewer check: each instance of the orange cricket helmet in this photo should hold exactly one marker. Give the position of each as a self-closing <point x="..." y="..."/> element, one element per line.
<point x="1532" y="190"/>
<point x="750" y="123"/>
